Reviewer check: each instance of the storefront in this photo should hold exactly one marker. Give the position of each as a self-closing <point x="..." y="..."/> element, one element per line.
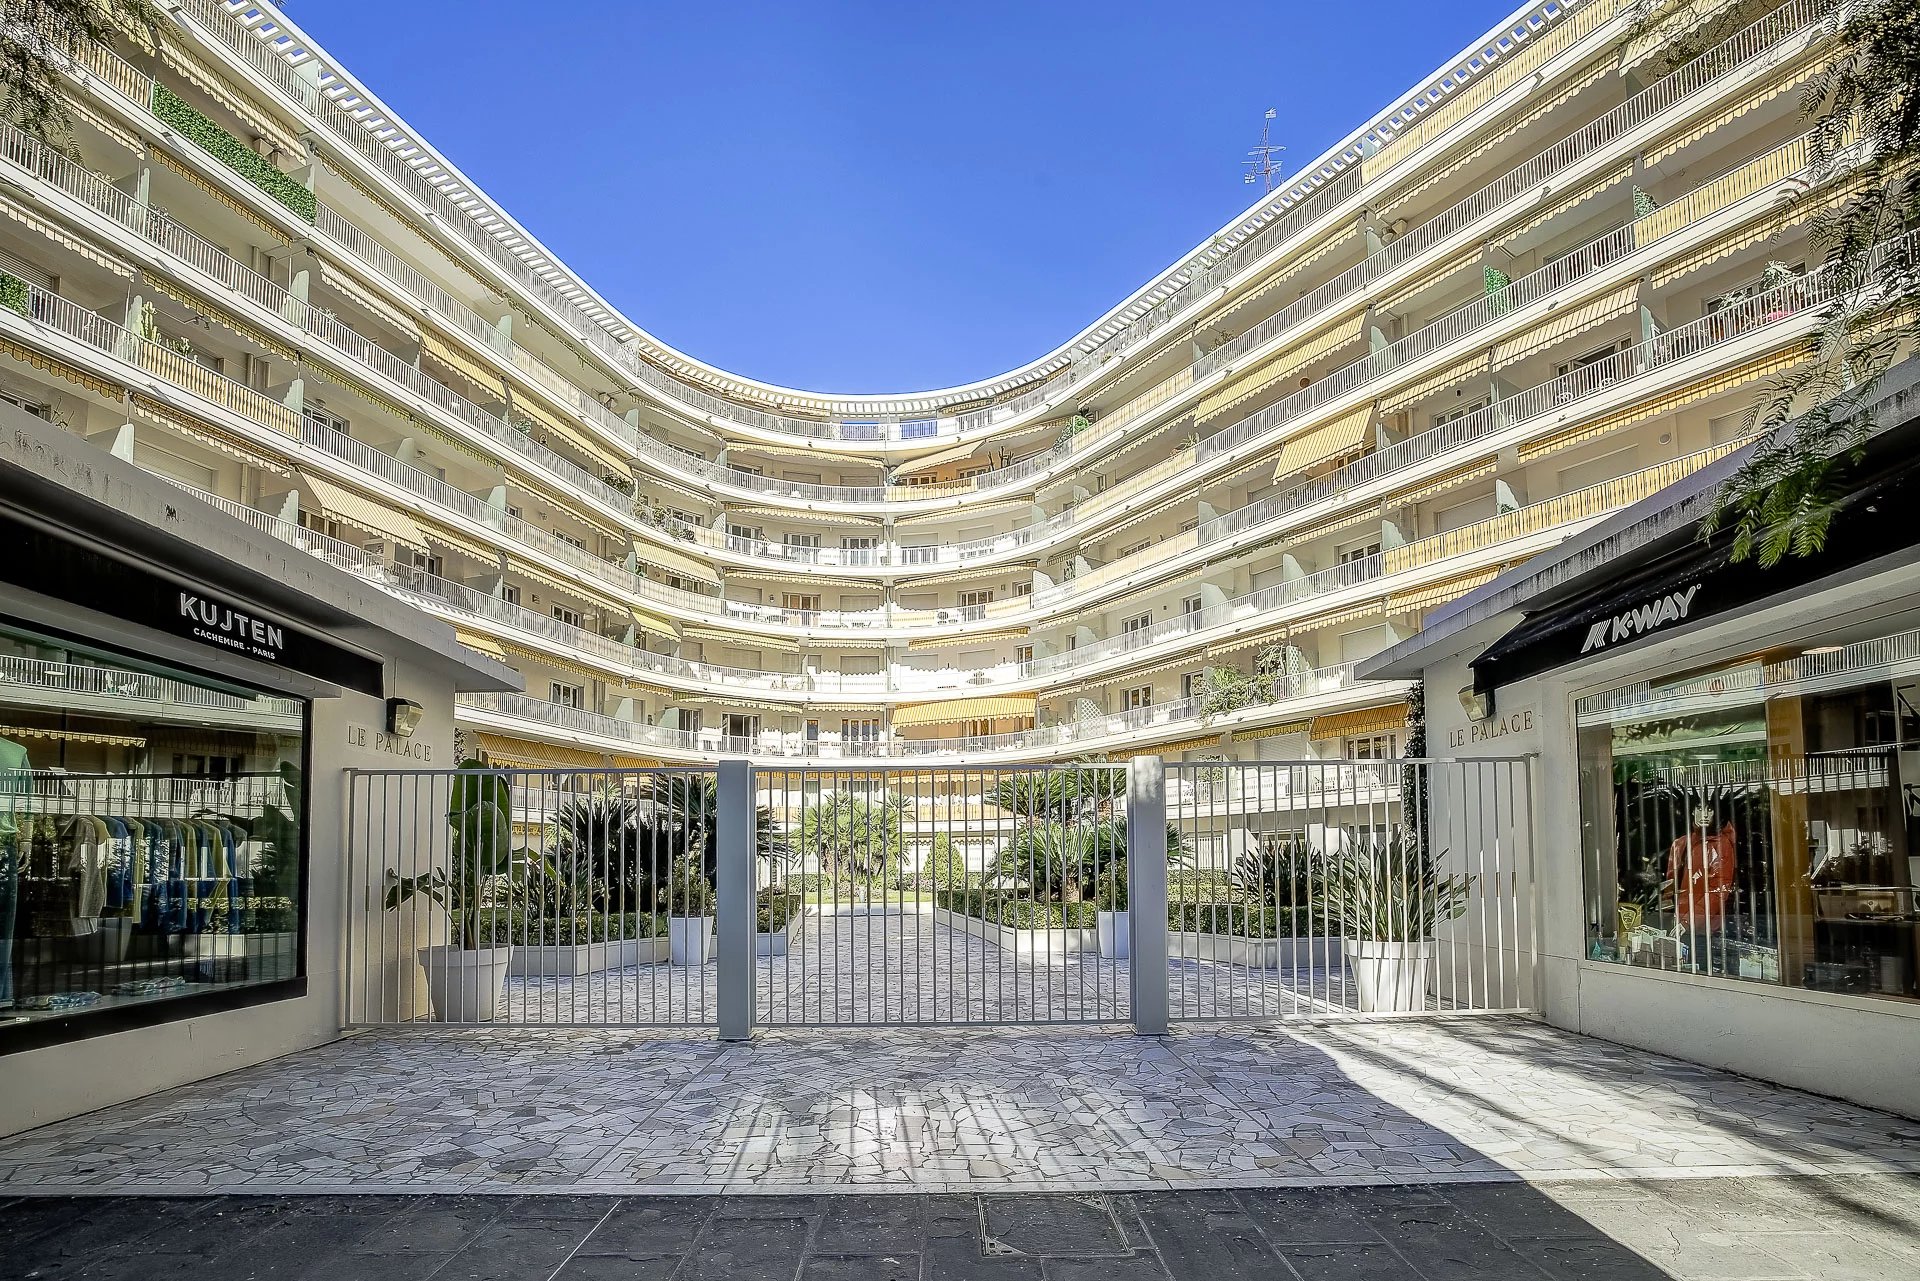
<point x="179" y="695"/>
<point x="1727" y="793"/>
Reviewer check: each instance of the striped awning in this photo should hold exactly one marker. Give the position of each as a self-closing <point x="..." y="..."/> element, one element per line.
<point x="1286" y="279"/>
<point x="1401" y="297"/>
<point x="1772" y="87"/>
<point x="1452" y="480"/>
<point x="1467" y="369"/>
<point x="484" y="644"/>
<point x="1275" y="730"/>
<point x="672" y="561"/>
<point x="1765" y="229"/>
<point x="79" y="110"/>
<point x="1338" y="617"/>
<point x="952" y="640"/>
<point x="1727" y="380"/>
<point x="366" y="300"/>
<point x="546" y="658"/>
<point x="59" y="235"/>
<point x="217" y="314"/>
<point x="472" y="547"/>
<point x="658" y="624"/>
<point x="1685" y="17"/>
<point x="743" y="639"/>
<point x="959" y="453"/>
<point x="500" y="750"/>
<point x="202" y="434"/>
<point x="1367" y="720"/>
<point x="187" y="172"/>
<point x="1346" y="434"/>
<point x="574" y="434"/>
<point x="1568" y="323"/>
<point x="360" y="512"/>
<point x="79" y="377"/>
<point x="1421" y="599"/>
<point x="438" y="349"/>
<point x="552" y="581"/>
<point x="1265" y="374"/>
<point x="1618" y="174"/>
<point x="965" y="709"/>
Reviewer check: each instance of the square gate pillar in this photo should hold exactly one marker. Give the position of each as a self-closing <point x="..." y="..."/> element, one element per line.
<point x="1147" y="893"/>
<point x="735" y="874"/>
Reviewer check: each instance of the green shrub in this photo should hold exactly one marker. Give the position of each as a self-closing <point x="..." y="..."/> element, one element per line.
<point x="1188" y="886"/>
<point x="1016" y="911"/>
<point x="1241" y="920"/>
<point x="689" y="893"/>
<point x="774" y="908"/>
<point x="13" y="293"/>
<point x="947" y="865"/>
<point x="1110" y="891"/>
<point x="233" y="153"/>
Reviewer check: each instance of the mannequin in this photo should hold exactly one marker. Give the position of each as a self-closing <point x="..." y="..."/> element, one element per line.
<point x="1701" y="866"/>
<point x="13" y="787"/>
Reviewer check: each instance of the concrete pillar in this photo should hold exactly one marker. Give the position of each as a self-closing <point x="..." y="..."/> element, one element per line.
<point x="734" y="900"/>
<point x="1147" y="893"/>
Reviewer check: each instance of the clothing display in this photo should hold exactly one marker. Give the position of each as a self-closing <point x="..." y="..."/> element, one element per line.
<point x="1703" y="867"/>
<point x="13" y="785"/>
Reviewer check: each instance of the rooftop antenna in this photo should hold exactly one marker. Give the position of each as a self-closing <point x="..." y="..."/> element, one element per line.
<point x="1261" y="168"/>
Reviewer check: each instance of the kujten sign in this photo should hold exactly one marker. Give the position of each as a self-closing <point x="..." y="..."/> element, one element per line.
<point x="219" y="623"/>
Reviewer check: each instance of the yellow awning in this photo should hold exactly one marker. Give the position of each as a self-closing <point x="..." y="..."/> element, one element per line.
<point x="461" y="543"/>
<point x="1178" y="745"/>
<point x="1466" y="369"/>
<point x="685" y="564"/>
<point x="1398" y="300"/>
<point x="575" y="590"/>
<point x="554" y="424"/>
<point x="1363" y="514"/>
<point x="1421" y="599"/>
<point x="71" y="736"/>
<point x="1452" y="480"/>
<point x="1344" y="435"/>
<point x="1272" y="731"/>
<point x="1334" y="618"/>
<point x="1763" y="230"/>
<point x="220" y="89"/>
<point x="1555" y="208"/>
<point x="1666" y="404"/>
<point x="186" y="171"/>
<point x="947" y="640"/>
<point x="79" y="110"/>
<point x="202" y="434"/>
<point x="500" y="750"/>
<point x="59" y="235"/>
<point x="366" y="300"/>
<point x="217" y="313"/>
<point x="959" y="453"/>
<point x="965" y="709"/>
<point x="1770" y="89"/>
<point x="1282" y="365"/>
<point x="1284" y="280"/>
<point x="78" y="377"/>
<point x="467" y="367"/>
<point x="362" y="513"/>
<point x="1686" y="17"/>
<point x="658" y="624"/>
<point x="565" y="665"/>
<point x="1759" y="174"/>
<point x="744" y="639"/>
<point x="1368" y="720"/>
<point x="485" y="644"/>
<point x="1559" y="326"/>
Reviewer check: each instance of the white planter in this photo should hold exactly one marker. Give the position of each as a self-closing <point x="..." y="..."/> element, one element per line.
<point x="568" y="960"/>
<point x="1058" y="941"/>
<point x="774" y="943"/>
<point x="1114" y="932"/>
<point x="464" y="986"/>
<point x="1390" y="978"/>
<point x="690" y="939"/>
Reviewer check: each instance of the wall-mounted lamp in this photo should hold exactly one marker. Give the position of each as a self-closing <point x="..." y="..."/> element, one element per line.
<point x="1477" y="706"/>
<point x="403" y="717"/>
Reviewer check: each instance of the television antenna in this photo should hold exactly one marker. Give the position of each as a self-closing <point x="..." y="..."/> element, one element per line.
<point x="1260" y="168"/>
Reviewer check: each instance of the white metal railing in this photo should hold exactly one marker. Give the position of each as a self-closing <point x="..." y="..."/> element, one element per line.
<point x="91" y="681"/>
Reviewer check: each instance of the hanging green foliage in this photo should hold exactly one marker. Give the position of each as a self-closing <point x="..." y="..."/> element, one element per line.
<point x="233" y="153"/>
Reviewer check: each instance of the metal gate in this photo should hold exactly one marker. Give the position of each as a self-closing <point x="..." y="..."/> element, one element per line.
<point x="824" y="894"/>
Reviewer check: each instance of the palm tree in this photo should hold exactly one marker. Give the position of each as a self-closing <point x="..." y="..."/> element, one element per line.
<point x="854" y="837"/>
<point x="1058" y="794"/>
<point x="688" y="805"/>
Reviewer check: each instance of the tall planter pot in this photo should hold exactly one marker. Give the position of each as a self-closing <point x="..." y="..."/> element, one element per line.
<point x="465" y="986"/>
<point x="1112" y="929"/>
<point x="689" y="939"/>
<point x="1391" y="978"/>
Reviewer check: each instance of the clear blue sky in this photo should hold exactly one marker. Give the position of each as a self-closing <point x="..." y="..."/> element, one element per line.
<point x="886" y="195"/>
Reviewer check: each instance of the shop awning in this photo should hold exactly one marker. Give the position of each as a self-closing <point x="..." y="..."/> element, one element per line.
<point x="965" y="709"/>
<point x="362" y="513"/>
<point x="1568" y="323"/>
<point x="1368" y="720"/>
<point x="1346" y="434"/>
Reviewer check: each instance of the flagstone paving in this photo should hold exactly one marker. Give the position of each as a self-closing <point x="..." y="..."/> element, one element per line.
<point x="968" y="1110"/>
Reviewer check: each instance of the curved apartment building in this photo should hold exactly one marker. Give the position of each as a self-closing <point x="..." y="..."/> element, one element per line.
<point x="1541" y="285"/>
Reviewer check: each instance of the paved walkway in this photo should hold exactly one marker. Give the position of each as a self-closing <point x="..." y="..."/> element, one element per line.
<point x="1832" y="1229"/>
<point x="969" y="1110"/>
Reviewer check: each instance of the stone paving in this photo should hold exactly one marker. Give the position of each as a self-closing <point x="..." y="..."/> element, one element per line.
<point x="964" y="1110"/>
<point x="893" y="967"/>
<point x="1801" y="1229"/>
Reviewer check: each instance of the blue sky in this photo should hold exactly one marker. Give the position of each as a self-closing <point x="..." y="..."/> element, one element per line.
<point x="866" y="197"/>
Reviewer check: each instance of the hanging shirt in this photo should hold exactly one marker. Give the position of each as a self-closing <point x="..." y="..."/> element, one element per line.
<point x="1702" y="865"/>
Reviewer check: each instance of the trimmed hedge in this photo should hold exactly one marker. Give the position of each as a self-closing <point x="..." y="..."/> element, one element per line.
<point x="1237" y="919"/>
<point x="233" y="153"/>
<point x="502" y="928"/>
<point x="13" y="293"/>
<point x="774" y="909"/>
<point x="1240" y="920"/>
<point x="1016" y="912"/>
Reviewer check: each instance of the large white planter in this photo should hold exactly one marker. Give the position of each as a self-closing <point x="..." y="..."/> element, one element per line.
<point x="570" y="960"/>
<point x="690" y="939"/>
<point x="1058" y="941"/>
<point x="774" y="943"/>
<point x="1113" y="929"/>
<point x="465" y="986"/>
<point x="1390" y="978"/>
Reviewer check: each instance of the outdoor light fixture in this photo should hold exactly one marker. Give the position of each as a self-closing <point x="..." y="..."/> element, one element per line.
<point x="403" y="717"/>
<point x="1478" y="706"/>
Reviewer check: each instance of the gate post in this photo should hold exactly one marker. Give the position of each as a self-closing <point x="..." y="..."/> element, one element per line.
<point x="1147" y="893"/>
<point x="734" y="840"/>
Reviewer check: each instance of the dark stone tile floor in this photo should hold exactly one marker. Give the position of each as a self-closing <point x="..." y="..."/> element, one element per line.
<point x="1831" y="1228"/>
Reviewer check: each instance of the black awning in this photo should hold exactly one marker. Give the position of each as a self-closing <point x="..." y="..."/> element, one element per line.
<point x="1685" y="581"/>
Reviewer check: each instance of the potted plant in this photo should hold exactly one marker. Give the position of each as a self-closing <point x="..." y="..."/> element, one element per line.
<point x="467" y="974"/>
<point x="689" y="913"/>
<point x="1387" y="897"/>
<point x="1110" y="920"/>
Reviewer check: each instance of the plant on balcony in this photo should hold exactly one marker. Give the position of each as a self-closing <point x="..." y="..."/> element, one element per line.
<point x="1783" y="500"/>
<point x="856" y="840"/>
<point x="42" y="39"/>
<point x="13" y="293"/>
<point x="232" y="152"/>
<point x="1387" y="897"/>
<point x="1643" y="203"/>
<point x="1225" y="690"/>
<point x="465" y="977"/>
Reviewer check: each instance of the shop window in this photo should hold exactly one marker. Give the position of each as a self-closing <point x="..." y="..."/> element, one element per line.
<point x="151" y="834"/>
<point x="1751" y="822"/>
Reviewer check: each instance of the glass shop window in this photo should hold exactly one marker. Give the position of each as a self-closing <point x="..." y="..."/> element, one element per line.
<point x="151" y="832"/>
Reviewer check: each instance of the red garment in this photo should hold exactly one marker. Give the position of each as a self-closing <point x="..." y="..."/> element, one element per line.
<point x="1702" y="867"/>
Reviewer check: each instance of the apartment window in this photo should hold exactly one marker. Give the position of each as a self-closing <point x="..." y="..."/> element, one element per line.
<point x="744" y="470"/>
<point x="1190" y="683"/>
<point x="1592" y="358"/>
<point x="1023" y="589"/>
<point x="317" y="416"/>
<point x="979" y="728"/>
<point x="968" y="473"/>
<point x="741" y="537"/>
<point x="38" y="408"/>
<point x="1371" y="747"/>
<point x="810" y="542"/>
<point x="571" y="617"/>
<point x="1458" y="412"/>
<point x="1131" y="548"/>
<point x="917" y="482"/>
<point x="513" y="511"/>
<point x="1359" y="551"/>
<point x="1190" y="608"/>
<point x="859" y="550"/>
<point x="1138" y="623"/>
<point x="1023" y="655"/>
<point x="425" y="562"/>
<point x="581" y="543"/>
<point x="860" y="731"/>
<point x="800" y="607"/>
<point x="1138" y="697"/>
<point x="738" y="726"/>
<point x="976" y="599"/>
<point x="319" y="523"/>
<point x="510" y="593"/>
<point x="573" y="696"/>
